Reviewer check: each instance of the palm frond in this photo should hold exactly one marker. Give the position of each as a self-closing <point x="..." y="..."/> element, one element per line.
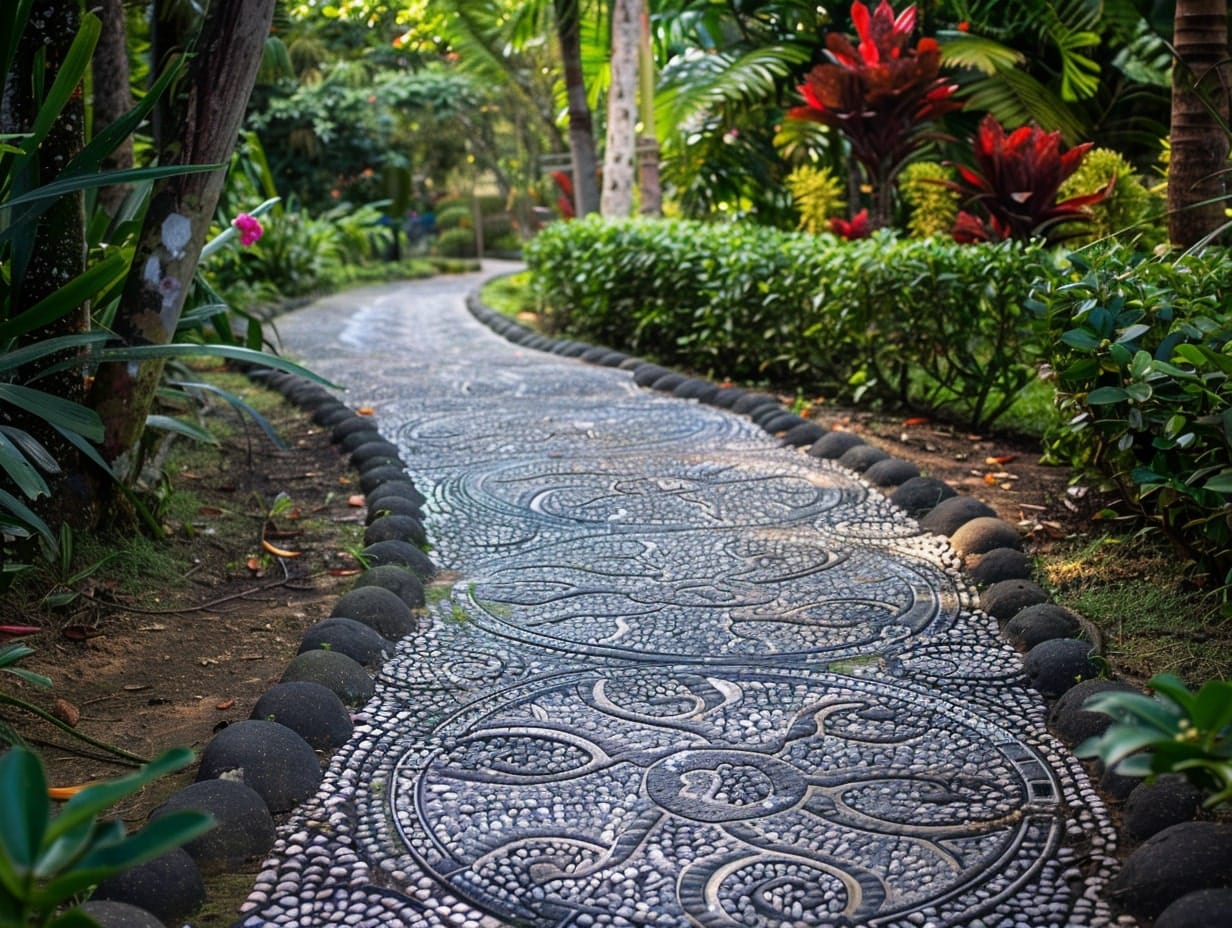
<point x="1016" y="98"/>
<point x="980" y="53"/>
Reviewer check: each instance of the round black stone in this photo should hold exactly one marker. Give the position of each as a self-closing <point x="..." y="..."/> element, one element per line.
<point x="1152" y="807"/>
<point x="768" y="413"/>
<point x="398" y="580"/>
<point x="1006" y="599"/>
<point x="1072" y="722"/>
<point x="120" y="915"/>
<point x="919" y="495"/>
<point x="276" y="762"/>
<point x="999" y="564"/>
<point x="668" y="382"/>
<point x="1171" y="864"/>
<point x="1055" y="666"/>
<point x="891" y="472"/>
<point x="245" y="829"/>
<point x="401" y="554"/>
<point x="327" y="415"/>
<point x="370" y="450"/>
<point x="395" y="528"/>
<point x="593" y="355"/>
<point x="751" y="402"/>
<point x="727" y="397"/>
<point x="360" y="642"/>
<point x="314" y="712"/>
<point x="379" y="609"/>
<point x="404" y="488"/>
<point x="782" y="423"/>
<point x="373" y="477"/>
<point x="646" y="374"/>
<point x="360" y="437"/>
<point x="355" y="423"/>
<point x="168" y="887"/>
<point x="335" y="671"/>
<point x="803" y="434"/>
<point x="1206" y="908"/>
<point x="380" y="462"/>
<point x="632" y="364"/>
<point x="833" y="445"/>
<point x="950" y="514"/>
<point x="861" y="457"/>
<point x="1043" y="621"/>
<point x="984" y="533"/>
<point x="394" y="506"/>
<point x="695" y="389"/>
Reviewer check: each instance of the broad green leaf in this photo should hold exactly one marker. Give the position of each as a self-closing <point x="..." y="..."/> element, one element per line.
<point x="85" y="286"/>
<point x="1102" y="396"/>
<point x="180" y="427"/>
<point x="20" y="470"/>
<point x="53" y="409"/>
<point x="68" y="77"/>
<point x="1220" y="483"/>
<point x="10" y="503"/>
<point x="24" y="808"/>
<point x="240" y="406"/>
<point x="1079" y="338"/>
<point x="1173" y="687"/>
<point x="38" y="351"/>
<point x="233" y="352"/>
<point x="32" y="448"/>
<point x="65" y="849"/>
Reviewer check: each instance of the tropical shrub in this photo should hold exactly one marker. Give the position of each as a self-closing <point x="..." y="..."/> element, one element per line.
<point x="1015" y="185"/>
<point x="1141" y="347"/>
<point x="459" y="216"/>
<point x="817" y="195"/>
<point x="456" y="243"/>
<point x="932" y="204"/>
<point x="758" y="304"/>
<point x="1129" y="208"/>
<point x="1177" y="731"/>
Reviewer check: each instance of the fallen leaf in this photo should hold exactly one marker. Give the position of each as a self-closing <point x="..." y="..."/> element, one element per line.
<point x="209" y="511"/>
<point x="915" y="420"/>
<point x="19" y="629"/>
<point x="136" y="687"/>
<point x="344" y="571"/>
<point x="65" y="793"/>
<point x="254" y="563"/>
<point x="356" y="500"/>
<point x="990" y="479"/>
<point x="279" y="552"/>
<point x="999" y="459"/>
<point x="81" y="632"/>
<point x="66" y="712"/>
<point x="225" y="705"/>
<point x="365" y="411"/>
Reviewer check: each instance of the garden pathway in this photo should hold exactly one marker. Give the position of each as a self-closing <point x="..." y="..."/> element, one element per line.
<point x="684" y="676"/>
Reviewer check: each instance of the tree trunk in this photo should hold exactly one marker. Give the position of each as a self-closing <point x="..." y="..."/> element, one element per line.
<point x="56" y="252"/>
<point x="581" y="127"/>
<point x="112" y="95"/>
<point x="618" y="157"/>
<point x="207" y="118"/>
<point x="1199" y="159"/>
<point x="649" y="184"/>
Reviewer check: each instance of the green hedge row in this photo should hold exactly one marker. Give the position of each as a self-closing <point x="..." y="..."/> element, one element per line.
<point x="926" y="322"/>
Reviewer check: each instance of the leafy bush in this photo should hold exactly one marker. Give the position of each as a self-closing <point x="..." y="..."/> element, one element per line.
<point x="460" y="216"/>
<point x="757" y="304"/>
<point x="456" y="243"/>
<point x="1177" y="731"/>
<point x="1142" y="353"/>
<point x="817" y="195"/>
<point x="1129" y="208"/>
<point x="932" y="204"/>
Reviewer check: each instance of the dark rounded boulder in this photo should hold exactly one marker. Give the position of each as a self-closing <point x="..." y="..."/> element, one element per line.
<point x="1152" y="807"/>
<point x="120" y="915"/>
<point x="782" y="423"/>
<point x="984" y="533"/>
<point x="861" y="457"/>
<point x="696" y="389"/>
<point x="834" y="445"/>
<point x="1072" y="722"/>
<point x="245" y="829"/>
<point x="1206" y="908"/>
<point x="1006" y="599"/>
<point x="360" y="642"/>
<point x="401" y="554"/>
<point x="327" y="415"/>
<point x="314" y="712"/>
<point x="918" y="495"/>
<point x="768" y="413"/>
<point x="168" y="887"/>
<point x="646" y="374"/>
<point x="806" y="433"/>
<point x="373" y="477"/>
<point x="1038" y="623"/>
<point x="393" y="506"/>
<point x="951" y="514"/>
<point x="1053" y="667"/>
<point x="751" y="402"/>
<point x="379" y="609"/>
<point x="361" y="437"/>
<point x="891" y="472"/>
<point x="395" y="528"/>
<point x="668" y="382"/>
<point x="275" y="761"/>
<point x="337" y="672"/>
<point x="371" y="450"/>
<point x="398" y="580"/>
<point x="1171" y="864"/>
<point x="404" y="489"/>
<point x="999" y="564"/>
<point x="350" y="425"/>
<point x="727" y="397"/>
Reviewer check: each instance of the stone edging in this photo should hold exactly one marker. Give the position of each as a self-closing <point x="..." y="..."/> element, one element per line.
<point x="1159" y="879"/>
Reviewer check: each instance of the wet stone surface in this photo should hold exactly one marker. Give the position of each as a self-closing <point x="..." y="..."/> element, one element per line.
<point x="687" y="677"/>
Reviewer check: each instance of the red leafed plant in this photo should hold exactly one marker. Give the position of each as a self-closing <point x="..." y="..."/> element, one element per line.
<point x="881" y="94"/>
<point x="1015" y="181"/>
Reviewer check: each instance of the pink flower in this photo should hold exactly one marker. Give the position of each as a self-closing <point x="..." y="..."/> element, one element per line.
<point x="249" y="228"/>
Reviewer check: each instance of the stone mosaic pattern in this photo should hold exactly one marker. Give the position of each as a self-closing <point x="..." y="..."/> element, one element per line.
<point x="685" y="678"/>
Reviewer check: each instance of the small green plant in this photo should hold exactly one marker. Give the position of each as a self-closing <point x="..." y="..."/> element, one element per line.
<point x="1176" y="731"/>
<point x="50" y="861"/>
<point x="817" y="195"/>
<point x="932" y="205"/>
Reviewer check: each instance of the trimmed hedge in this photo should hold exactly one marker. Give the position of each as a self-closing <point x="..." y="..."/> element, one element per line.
<point x="924" y="322"/>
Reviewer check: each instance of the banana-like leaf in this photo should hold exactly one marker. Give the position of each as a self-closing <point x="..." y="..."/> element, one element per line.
<point x="232" y="352"/>
<point x="68" y="77"/>
<point x="65" y="300"/>
<point x="239" y="406"/>
<point x="54" y="409"/>
<point x="25" y="810"/>
<point x="27" y="516"/>
<point x="37" y="351"/>
<point x="180" y="427"/>
<point x="13" y="18"/>
<point x="19" y="469"/>
<point x="32" y="448"/>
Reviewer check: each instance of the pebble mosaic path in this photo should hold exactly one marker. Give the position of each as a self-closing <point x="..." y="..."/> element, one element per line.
<point x="685" y="677"/>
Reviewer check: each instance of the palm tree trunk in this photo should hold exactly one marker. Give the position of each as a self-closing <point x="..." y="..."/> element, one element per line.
<point x="650" y="186"/>
<point x="206" y="119"/>
<point x="619" y="156"/>
<point x="1199" y="159"/>
<point x="581" y="127"/>
<point x="112" y="95"/>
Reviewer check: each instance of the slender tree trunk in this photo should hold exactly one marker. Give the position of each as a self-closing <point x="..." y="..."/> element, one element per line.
<point x="581" y="126"/>
<point x="650" y="185"/>
<point x="1199" y="160"/>
<point x="207" y="118"/>
<point x="112" y="95"/>
<point x="618" y="157"/>
<point x="53" y="251"/>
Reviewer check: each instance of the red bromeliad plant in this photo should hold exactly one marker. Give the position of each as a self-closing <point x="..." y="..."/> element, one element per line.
<point x="881" y="94"/>
<point x="1016" y="180"/>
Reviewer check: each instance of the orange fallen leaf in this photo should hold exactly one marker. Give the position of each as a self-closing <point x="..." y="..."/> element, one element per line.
<point x="344" y="571"/>
<point x="990" y="479"/>
<point x="225" y="705"/>
<point x="915" y="420"/>
<point x="64" y="793"/>
<point x="254" y="564"/>
<point x="998" y="459"/>
<point x="209" y="511"/>
<point x="356" y="500"/>
<point x="278" y="552"/>
<point x="365" y="411"/>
